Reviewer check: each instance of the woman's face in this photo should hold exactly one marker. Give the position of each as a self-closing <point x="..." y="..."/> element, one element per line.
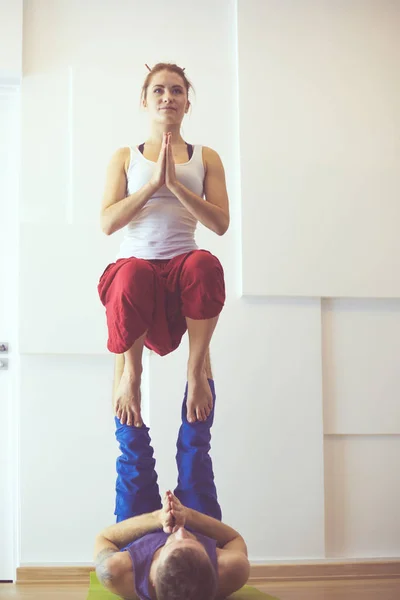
<point x="166" y="100"/>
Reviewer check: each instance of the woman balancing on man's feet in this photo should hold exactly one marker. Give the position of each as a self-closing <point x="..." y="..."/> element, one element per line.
<point x="161" y="284"/>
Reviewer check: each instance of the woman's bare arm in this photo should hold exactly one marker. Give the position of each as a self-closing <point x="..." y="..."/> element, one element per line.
<point x="214" y="213"/>
<point x="117" y="208"/>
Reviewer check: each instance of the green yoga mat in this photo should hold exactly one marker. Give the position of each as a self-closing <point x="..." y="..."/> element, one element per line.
<point x="98" y="592"/>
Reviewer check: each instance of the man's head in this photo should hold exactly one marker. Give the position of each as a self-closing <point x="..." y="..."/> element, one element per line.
<point x="184" y="570"/>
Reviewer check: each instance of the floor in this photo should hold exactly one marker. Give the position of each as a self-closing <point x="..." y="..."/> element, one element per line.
<point x="376" y="589"/>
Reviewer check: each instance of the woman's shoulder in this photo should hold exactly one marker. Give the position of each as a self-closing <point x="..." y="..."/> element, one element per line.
<point x="122" y="156"/>
<point x="209" y="152"/>
<point x="211" y="157"/>
<point x="122" y="153"/>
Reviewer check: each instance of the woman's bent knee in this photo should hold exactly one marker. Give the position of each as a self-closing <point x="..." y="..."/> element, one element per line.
<point x="135" y="274"/>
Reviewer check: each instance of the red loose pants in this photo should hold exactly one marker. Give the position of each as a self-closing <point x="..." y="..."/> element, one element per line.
<point x="156" y="295"/>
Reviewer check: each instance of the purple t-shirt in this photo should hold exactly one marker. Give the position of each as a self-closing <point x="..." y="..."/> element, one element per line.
<point x="142" y="551"/>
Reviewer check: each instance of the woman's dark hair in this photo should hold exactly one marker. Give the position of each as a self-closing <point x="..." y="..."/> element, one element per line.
<point x="166" y="67"/>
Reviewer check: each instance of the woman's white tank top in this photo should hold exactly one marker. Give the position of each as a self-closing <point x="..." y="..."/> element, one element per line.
<point x="164" y="228"/>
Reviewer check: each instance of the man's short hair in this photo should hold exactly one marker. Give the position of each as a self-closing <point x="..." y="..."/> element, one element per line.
<point x="186" y="574"/>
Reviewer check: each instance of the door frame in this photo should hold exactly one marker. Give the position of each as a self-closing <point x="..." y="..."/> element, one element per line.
<point x="12" y="411"/>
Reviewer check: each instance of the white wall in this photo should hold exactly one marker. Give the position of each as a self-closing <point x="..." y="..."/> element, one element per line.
<point x="83" y="68"/>
<point x="361" y="376"/>
<point x="319" y="122"/>
<point x="10" y="41"/>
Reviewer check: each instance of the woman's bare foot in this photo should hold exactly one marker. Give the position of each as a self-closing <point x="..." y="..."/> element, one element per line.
<point x="127" y="400"/>
<point x="199" y="401"/>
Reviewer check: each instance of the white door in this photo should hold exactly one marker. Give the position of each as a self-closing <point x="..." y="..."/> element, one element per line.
<point x="9" y="162"/>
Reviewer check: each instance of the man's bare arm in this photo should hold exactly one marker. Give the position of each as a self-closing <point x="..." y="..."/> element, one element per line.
<point x="236" y="545"/>
<point x="226" y="537"/>
<point x="123" y="533"/>
<point x="114" y="568"/>
<point x="103" y="566"/>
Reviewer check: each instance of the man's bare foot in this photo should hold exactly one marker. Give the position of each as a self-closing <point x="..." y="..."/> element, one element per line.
<point x="199" y="401"/>
<point x="127" y="400"/>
